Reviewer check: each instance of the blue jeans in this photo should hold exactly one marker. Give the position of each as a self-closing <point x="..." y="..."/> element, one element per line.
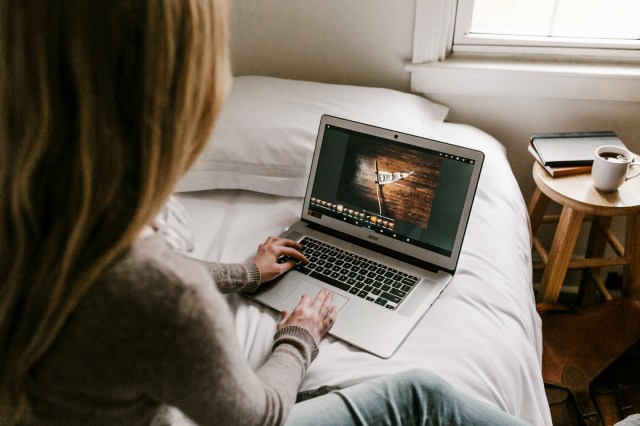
<point x="414" y="397"/>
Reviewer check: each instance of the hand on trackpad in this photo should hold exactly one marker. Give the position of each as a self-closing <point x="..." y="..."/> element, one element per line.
<point x="291" y="301"/>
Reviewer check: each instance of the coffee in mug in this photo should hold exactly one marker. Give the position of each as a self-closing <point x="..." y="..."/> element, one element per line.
<point x="614" y="157"/>
<point x="611" y="167"/>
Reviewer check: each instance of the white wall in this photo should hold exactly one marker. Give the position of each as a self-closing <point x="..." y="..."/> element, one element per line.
<point x="362" y="42"/>
<point x="367" y="42"/>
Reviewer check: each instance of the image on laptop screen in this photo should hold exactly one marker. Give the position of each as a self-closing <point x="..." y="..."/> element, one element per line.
<point x="402" y="191"/>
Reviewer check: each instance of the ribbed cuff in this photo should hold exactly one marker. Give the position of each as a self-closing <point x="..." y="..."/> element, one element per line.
<point x="254" y="277"/>
<point x="298" y="337"/>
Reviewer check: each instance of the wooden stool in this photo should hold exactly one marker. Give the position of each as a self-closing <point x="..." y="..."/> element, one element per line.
<point x="582" y="201"/>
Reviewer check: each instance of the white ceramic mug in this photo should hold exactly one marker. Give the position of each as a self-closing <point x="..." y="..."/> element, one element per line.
<point x="611" y="167"/>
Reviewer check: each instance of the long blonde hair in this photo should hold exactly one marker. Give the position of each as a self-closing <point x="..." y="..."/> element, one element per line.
<point x="103" y="107"/>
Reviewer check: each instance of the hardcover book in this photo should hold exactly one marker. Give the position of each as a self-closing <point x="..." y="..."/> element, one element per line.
<point x="571" y="148"/>
<point x="559" y="170"/>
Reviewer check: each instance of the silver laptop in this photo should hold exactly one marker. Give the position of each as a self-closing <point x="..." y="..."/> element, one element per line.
<point x="382" y="224"/>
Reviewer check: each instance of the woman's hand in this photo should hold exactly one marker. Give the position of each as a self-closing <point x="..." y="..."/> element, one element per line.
<point x="315" y="316"/>
<point x="268" y="259"/>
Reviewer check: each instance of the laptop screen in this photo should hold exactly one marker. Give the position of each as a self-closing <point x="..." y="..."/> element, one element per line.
<point x="395" y="186"/>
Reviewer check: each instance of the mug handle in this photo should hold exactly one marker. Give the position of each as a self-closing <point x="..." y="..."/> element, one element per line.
<point x="635" y="163"/>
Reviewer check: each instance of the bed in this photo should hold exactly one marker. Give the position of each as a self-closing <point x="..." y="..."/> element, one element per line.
<point x="483" y="334"/>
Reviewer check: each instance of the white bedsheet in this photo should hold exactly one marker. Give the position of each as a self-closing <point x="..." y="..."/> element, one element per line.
<point x="483" y="334"/>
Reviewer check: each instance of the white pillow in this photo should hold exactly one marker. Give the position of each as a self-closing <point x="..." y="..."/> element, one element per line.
<point x="265" y="136"/>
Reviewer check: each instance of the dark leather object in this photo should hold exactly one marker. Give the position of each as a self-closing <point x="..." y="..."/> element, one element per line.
<point x="617" y="390"/>
<point x="580" y="343"/>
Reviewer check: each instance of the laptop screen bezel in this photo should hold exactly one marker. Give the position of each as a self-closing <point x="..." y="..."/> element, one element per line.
<point x="408" y="252"/>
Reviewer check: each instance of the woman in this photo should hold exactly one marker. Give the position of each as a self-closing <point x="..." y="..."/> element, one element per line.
<point x="104" y="106"/>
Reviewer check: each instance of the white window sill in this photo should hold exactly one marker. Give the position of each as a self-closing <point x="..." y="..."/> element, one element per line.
<point x="527" y="79"/>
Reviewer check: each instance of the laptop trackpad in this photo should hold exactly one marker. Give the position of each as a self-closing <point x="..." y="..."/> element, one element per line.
<point x="291" y="301"/>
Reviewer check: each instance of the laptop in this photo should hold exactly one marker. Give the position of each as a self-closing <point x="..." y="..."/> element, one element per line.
<point x="382" y="224"/>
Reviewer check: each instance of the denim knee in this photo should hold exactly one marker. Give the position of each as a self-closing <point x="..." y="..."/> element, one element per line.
<point x="435" y="401"/>
<point x="423" y="381"/>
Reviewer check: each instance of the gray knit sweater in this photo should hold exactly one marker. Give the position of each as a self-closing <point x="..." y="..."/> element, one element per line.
<point x="154" y="332"/>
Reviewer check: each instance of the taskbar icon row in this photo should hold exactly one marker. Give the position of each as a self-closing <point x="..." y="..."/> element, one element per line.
<point x="354" y="213"/>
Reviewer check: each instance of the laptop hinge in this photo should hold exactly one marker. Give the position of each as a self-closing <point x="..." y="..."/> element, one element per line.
<point x="374" y="247"/>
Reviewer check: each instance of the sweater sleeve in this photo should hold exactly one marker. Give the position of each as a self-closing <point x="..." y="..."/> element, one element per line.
<point x="233" y="277"/>
<point x="201" y="369"/>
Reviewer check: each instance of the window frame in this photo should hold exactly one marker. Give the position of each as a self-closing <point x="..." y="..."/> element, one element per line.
<point x="595" y="71"/>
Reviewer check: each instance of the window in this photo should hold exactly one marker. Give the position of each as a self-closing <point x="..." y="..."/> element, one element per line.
<point x="567" y="49"/>
<point x="587" y="28"/>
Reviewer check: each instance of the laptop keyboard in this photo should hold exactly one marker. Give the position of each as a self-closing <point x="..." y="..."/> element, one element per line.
<point x="355" y="274"/>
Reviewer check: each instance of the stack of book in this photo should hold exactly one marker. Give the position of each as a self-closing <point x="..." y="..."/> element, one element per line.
<point x="569" y="153"/>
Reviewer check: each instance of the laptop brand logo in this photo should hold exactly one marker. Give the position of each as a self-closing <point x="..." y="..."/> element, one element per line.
<point x="372" y="237"/>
